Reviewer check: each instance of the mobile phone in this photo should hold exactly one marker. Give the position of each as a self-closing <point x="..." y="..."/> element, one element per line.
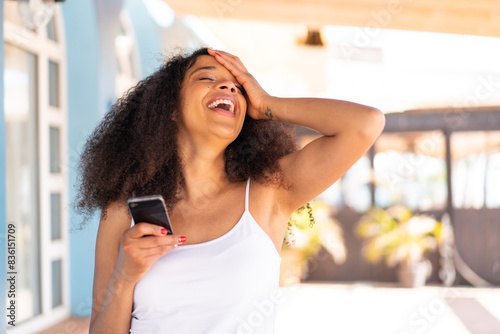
<point x="150" y="209"/>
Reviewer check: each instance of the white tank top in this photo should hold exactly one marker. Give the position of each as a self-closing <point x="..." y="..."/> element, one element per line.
<point x="228" y="285"/>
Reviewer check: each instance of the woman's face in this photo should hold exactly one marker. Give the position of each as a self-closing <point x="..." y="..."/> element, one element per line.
<point x="212" y="103"/>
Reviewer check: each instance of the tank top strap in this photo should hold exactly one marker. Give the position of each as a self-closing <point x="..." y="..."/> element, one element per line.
<point x="247" y="194"/>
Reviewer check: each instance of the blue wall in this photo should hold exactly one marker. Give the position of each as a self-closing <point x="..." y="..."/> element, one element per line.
<point x="82" y="48"/>
<point x="3" y="213"/>
<point x="90" y="30"/>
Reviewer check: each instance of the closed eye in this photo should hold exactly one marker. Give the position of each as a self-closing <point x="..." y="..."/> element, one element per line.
<point x="241" y="89"/>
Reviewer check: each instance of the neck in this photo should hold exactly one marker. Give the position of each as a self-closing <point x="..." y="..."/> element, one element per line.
<point x="204" y="170"/>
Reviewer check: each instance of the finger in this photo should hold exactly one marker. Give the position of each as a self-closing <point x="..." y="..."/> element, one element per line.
<point x="141" y="229"/>
<point x="223" y="54"/>
<point x="232" y="64"/>
<point x="214" y="52"/>
<point x="241" y="75"/>
<point x="228" y="59"/>
<point x="156" y="241"/>
<point x="155" y="251"/>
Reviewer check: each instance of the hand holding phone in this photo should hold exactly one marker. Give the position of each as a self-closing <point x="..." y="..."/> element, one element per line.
<point x="150" y="209"/>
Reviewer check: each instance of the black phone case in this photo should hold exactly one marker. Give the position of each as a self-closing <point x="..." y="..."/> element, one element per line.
<point x="150" y="209"/>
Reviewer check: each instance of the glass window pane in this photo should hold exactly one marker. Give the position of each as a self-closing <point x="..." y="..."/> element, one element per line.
<point x="410" y="170"/>
<point x="55" y="150"/>
<point x="476" y="169"/>
<point x="53" y="84"/>
<point x="22" y="200"/>
<point x="51" y="30"/>
<point x="55" y="216"/>
<point x="56" y="283"/>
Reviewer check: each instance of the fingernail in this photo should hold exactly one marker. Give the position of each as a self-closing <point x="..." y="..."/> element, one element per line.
<point x="182" y="239"/>
<point x="164" y="231"/>
<point x="218" y="54"/>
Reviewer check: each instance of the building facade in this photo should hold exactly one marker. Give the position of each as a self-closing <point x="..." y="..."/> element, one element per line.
<point x="61" y="76"/>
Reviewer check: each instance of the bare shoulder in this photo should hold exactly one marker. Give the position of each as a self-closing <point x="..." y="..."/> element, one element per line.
<point x="116" y="213"/>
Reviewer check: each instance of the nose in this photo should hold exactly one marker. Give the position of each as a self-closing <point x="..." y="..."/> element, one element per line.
<point x="227" y="85"/>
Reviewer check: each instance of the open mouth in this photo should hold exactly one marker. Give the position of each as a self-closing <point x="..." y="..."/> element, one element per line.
<point x="223" y="104"/>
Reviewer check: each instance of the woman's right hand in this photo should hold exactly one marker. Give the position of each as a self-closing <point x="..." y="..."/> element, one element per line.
<point x="141" y="246"/>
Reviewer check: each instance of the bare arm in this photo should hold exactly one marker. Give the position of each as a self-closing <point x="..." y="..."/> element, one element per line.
<point x="349" y="129"/>
<point x="122" y="258"/>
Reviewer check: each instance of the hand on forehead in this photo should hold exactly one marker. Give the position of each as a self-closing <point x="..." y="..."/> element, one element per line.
<point x="209" y="63"/>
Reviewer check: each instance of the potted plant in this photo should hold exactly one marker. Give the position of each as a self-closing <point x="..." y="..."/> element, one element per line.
<point x="309" y="229"/>
<point x="400" y="237"/>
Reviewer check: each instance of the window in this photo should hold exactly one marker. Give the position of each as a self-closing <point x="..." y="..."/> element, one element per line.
<point x="476" y="169"/>
<point x="36" y="183"/>
<point x="410" y="170"/>
<point x="55" y="150"/>
<point x="21" y="130"/>
<point x="51" y="30"/>
<point x="55" y="216"/>
<point x="56" y="283"/>
<point x="54" y="84"/>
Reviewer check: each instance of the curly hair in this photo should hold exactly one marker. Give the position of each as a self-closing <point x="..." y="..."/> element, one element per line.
<point x="134" y="149"/>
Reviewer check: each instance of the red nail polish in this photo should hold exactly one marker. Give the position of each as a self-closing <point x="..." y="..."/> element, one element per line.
<point x="182" y="239"/>
<point x="218" y="54"/>
<point x="164" y="231"/>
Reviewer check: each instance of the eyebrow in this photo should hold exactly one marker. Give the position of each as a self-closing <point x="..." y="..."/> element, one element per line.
<point x="202" y="68"/>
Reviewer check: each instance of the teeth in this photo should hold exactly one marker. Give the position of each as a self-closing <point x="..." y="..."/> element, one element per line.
<point x="222" y="101"/>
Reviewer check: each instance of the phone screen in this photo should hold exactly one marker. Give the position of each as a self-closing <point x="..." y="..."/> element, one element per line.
<point x="150" y="209"/>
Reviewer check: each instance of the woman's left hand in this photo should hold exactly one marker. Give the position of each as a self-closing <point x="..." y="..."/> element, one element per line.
<point x="257" y="97"/>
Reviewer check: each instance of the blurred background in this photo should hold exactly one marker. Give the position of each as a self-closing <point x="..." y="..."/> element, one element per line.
<point x="420" y="210"/>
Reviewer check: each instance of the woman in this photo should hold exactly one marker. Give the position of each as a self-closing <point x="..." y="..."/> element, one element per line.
<point x="203" y="133"/>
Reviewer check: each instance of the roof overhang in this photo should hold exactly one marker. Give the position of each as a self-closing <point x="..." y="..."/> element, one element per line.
<point x="469" y="17"/>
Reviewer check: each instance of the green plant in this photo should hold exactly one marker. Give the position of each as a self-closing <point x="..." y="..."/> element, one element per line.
<point x="308" y="235"/>
<point x="397" y="235"/>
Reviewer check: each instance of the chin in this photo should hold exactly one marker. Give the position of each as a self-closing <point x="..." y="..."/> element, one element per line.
<point x="226" y="136"/>
<point x="229" y="138"/>
<point x="228" y="133"/>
